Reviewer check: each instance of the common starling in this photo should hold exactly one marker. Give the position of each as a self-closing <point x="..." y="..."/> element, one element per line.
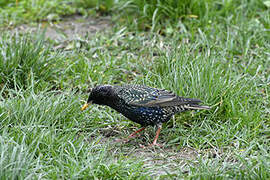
<point x="142" y="104"/>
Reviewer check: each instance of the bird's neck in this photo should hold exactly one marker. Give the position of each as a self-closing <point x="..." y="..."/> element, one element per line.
<point x="116" y="104"/>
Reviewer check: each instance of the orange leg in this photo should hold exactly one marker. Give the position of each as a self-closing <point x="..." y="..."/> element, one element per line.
<point x="130" y="136"/>
<point x="157" y="134"/>
<point x="155" y="140"/>
<point x="134" y="133"/>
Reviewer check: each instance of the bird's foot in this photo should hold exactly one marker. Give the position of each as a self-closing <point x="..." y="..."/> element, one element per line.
<point x="125" y="140"/>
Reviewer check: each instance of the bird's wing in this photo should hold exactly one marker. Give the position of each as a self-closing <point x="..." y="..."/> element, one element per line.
<point x="139" y="95"/>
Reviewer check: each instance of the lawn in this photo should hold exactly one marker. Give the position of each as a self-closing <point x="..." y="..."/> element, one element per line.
<point x="216" y="51"/>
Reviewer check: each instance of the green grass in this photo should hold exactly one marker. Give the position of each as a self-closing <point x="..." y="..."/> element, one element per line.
<point x="26" y="63"/>
<point x="27" y="11"/>
<point x="222" y="59"/>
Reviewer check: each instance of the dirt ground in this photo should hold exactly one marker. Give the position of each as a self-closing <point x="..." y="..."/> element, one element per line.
<point x="69" y="28"/>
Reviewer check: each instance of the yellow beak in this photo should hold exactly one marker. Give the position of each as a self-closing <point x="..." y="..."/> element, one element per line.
<point x="85" y="106"/>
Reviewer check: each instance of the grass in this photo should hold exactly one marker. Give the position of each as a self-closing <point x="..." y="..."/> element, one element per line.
<point x="222" y="59"/>
<point x="28" y="11"/>
<point x="26" y="63"/>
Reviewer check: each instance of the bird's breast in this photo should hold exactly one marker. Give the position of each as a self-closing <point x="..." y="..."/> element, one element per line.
<point x="144" y="115"/>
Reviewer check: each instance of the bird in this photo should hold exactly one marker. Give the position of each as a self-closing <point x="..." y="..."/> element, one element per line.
<point x="141" y="104"/>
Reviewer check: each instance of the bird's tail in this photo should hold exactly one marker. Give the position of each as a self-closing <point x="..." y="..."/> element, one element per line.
<point x="196" y="106"/>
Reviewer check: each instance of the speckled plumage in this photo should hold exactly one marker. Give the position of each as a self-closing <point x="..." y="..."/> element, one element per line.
<point x="142" y="104"/>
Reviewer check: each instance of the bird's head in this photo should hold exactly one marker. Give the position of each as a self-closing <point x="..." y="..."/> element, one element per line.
<point x="99" y="95"/>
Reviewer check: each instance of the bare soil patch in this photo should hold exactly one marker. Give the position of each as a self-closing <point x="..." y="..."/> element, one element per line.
<point x="69" y="28"/>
